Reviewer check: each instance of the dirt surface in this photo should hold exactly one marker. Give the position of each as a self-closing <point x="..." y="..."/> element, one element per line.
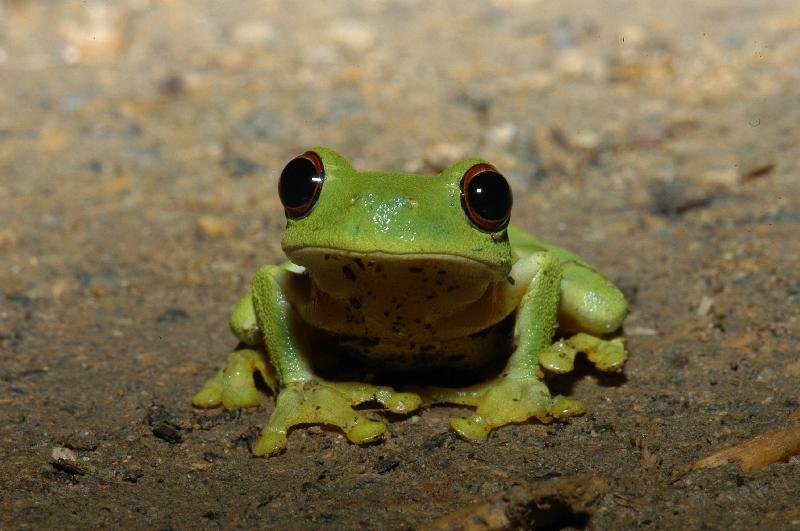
<point x="140" y="144"/>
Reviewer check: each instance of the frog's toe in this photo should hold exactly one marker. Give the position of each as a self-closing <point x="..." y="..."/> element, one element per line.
<point x="398" y="402"/>
<point x="559" y="358"/>
<point x="473" y="427"/>
<point x="270" y="443"/>
<point x="235" y="386"/>
<point x="609" y="356"/>
<point x="363" y="430"/>
<point x="211" y="393"/>
<point x="562" y="406"/>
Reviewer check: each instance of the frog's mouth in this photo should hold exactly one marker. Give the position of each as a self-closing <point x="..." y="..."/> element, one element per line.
<point x="416" y="278"/>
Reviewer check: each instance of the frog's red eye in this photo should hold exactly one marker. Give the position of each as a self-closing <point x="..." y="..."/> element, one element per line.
<point x="300" y="183"/>
<point x="486" y="198"/>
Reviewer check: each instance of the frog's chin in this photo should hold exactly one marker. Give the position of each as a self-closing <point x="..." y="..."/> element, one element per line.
<point x="449" y="279"/>
<point x="318" y="258"/>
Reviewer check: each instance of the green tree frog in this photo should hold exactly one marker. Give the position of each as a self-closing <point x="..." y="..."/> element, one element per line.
<point x="411" y="271"/>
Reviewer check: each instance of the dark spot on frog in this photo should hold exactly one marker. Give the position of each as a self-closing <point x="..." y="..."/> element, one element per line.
<point x="511" y="280"/>
<point x="327" y="257"/>
<point x="355" y="303"/>
<point x="348" y="273"/>
<point x="359" y="263"/>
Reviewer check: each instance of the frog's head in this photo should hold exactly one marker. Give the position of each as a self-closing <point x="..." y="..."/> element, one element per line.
<point x="456" y="219"/>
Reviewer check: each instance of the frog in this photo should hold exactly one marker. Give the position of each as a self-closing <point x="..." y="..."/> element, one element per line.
<point x="411" y="271"/>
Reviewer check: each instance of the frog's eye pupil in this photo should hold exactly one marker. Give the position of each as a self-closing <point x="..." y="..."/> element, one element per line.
<point x="300" y="183"/>
<point x="486" y="198"/>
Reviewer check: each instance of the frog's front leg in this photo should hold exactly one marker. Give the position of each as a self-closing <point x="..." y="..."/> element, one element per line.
<point x="592" y="306"/>
<point x="518" y="394"/>
<point x="304" y="398"/>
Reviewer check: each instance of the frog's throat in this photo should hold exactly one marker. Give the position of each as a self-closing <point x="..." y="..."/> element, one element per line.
<point x="411" y="296"/>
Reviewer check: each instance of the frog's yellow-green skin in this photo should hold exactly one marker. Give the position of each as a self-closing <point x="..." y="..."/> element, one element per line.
<point x="390" y="265"/>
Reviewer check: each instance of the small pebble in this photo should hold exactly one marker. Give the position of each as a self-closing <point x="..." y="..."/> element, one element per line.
<point x="167" y="432"/>
<point x="213" y="227"/>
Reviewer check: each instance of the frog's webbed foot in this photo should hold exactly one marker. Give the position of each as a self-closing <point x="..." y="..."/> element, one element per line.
<point x="234" y="386"/>
<point x="501" y="401"/>
<point x="330" y="403"/>
<point x="608" y="355"/>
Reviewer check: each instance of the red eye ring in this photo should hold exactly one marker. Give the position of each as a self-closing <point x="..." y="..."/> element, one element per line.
<point x="300" y="184"/>
<point x="486" y="197"/>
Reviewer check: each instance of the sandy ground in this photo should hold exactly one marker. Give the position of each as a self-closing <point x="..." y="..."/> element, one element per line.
<point x="140" y="144"/>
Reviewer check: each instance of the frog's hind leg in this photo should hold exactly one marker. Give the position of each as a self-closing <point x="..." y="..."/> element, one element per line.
<point x="234" y="386"/>
<point x="589" y="302"/>
<point x="608" y="355"/>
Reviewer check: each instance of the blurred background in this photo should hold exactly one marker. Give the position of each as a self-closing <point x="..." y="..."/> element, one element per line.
<point x="140" y="145"/>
